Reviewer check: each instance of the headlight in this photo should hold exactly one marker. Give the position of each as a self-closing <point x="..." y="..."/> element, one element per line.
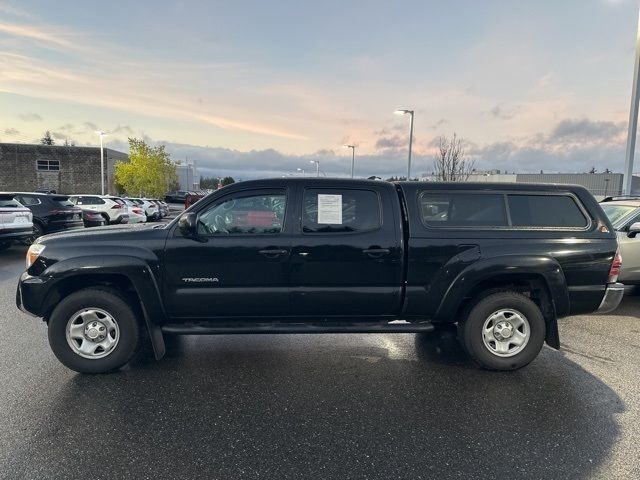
<point x="33" y="253"/>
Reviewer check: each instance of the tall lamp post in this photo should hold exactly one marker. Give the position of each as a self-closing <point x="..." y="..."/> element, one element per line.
<point x="633" y="120"/>
<point x="101" y="134"/>
<point x="317" y="162"/>
<point x="301" y="170"/>
<point x="353" y="156"/>
<point x="410" y="112"/>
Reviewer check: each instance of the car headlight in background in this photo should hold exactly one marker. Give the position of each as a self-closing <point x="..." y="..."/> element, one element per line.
<point x="33" y="253"/>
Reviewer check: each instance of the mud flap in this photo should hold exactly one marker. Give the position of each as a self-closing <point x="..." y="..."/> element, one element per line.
<point x="155" y="334"/>
<point x="553" y="335"/>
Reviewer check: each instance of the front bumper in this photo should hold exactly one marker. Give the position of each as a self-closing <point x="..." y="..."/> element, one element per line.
<point x="612" y="298"/>
<point x="31" y="293"/>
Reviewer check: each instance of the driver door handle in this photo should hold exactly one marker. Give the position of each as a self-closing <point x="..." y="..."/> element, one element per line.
<point x="272" y="252"/>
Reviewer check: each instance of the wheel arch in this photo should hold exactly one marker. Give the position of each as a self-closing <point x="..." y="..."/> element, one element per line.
<point x="129" y="275"/>
<point x="540" y="278"/>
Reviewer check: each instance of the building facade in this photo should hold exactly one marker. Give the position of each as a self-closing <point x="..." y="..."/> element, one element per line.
<point x="65" y="169"/>
<point x="188" y="176"/>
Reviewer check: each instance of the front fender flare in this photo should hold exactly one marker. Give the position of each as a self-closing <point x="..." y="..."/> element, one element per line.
<point x="135" y="269"/>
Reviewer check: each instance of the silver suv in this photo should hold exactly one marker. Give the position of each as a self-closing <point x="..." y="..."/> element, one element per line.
<point x="623" y="212"/>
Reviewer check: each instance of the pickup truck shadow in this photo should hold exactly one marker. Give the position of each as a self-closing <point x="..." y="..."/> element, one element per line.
<point x="331" y="406"/>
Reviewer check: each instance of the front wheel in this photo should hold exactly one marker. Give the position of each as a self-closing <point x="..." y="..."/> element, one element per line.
<point x="503" y="331"/>
<point x="94" y="331"/>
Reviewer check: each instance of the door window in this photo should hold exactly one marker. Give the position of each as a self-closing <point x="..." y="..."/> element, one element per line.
<point x="243" y="215"/>
<point x="340" y="211"/>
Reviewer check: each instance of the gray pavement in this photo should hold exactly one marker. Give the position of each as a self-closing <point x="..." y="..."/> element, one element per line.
<point x="323" y="406"/>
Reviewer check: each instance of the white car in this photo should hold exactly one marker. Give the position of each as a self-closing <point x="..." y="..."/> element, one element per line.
<point x="16" y="221"/>
<point x="150" y="209"/>
<point x="112" y="210"/>
<point x="136" y="213"/>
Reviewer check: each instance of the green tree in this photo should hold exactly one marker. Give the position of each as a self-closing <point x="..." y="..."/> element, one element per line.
<point x="227" y="181"/>
<point x="209" y="183"/>
<point x="47" y="139"/>
<point x="149" y="170"/>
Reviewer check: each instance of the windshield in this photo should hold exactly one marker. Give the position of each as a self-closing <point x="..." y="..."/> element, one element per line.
<point x="9" y="202"/>
<point x="617" y="212"/>
<point x="63" y="201"/>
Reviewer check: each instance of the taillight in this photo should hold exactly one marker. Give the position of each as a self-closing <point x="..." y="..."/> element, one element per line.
<point x="138" y="211"/>
<point x="616" y="265"/>
<point x="116" y="206"/>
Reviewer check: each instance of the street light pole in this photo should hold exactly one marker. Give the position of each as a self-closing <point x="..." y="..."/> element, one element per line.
<point x="633" y="120"/>
<point x="101" y="134"/>
<point x="301" y="170"/>
<point x="317" y="162"/>
<point x="410" y="112"/>
<point x="353" y="156"/>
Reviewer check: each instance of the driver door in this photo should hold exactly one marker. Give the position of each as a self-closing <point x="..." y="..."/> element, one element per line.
<point x="239" y="265"/>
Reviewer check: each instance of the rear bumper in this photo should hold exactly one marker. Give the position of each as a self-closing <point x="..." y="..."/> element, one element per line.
<point x="58" y="226"/>
<point x="16" y="233"/>
<point x="612" y="298"/>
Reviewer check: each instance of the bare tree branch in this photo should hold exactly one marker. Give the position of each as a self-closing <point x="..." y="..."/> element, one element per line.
<point x="451" y="163"/>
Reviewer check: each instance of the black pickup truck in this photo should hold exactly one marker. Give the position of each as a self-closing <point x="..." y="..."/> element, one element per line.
<point x="502" y="261"/>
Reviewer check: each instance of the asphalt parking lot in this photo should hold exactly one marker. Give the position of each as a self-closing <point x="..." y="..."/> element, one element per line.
<point x="323" y="406"/>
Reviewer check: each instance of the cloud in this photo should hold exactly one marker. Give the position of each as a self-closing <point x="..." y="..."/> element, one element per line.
<point x="591" y="143"/>
<point x="439" y="123"/>
<point x="271" y="163"/>
<point x="391" y="142"/>
<point x="12" y="132"/>
<point x="31" y="117"/>
<point x="505" y="113"/>
<point x="123" y="129"/>
<point x="587" y="130"/>
<point x="8" y="9"/>
<point x="40" y="34"/>
<point x="59" y="136"/>
<point x="572" y="145"/>
<point x="90" y="126"/>
<point x="53" y="79"/>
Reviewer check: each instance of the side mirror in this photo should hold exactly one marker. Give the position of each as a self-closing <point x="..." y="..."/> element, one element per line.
<point x="189" y="227"/>
<point x="634" y="229"/>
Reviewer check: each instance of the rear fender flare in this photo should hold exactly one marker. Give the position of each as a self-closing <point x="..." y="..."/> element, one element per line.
<point x="545" y="268"/>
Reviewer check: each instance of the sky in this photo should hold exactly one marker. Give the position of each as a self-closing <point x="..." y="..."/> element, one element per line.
<point x="258" y="89"/>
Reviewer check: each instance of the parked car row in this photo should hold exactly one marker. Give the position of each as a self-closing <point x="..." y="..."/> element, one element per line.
<point x="25" y="216"/>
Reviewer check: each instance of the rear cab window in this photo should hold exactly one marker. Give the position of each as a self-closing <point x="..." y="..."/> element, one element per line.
<point x="463" y="210"/>
<point x="504" y="210"/>
<point x="554" y="211"/>
<point x="340" y="210"/>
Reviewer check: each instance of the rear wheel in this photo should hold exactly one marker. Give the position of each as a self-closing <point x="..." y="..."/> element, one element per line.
<point x="503" y="331"/>
<point x="94" y="331"/>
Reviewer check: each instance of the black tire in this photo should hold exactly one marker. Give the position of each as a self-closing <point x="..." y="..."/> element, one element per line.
<point x="470" y="331"/>
<point x="109" y="300"/>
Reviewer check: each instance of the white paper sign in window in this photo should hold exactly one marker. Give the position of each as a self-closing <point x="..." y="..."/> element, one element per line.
<point x="330" y="209"/>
